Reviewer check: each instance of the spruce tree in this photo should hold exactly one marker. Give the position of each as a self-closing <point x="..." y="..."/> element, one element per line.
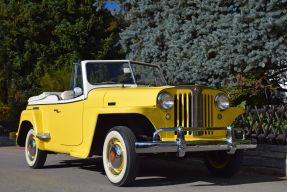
<point x="209" y="42"/>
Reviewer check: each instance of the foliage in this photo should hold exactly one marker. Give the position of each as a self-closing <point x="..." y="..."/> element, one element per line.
<point x="56" y="79"/>
<point x="40" y="39"/>
<point x="4" y="110"/>
<point x="210" y="42"/>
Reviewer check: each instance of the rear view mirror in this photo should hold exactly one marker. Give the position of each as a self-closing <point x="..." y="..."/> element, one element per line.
<point x="127" y="70"/>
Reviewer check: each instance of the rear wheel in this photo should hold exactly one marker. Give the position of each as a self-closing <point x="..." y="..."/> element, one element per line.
<point x="222" y="164"/>
<point x="35" y="157"/>
<point x="119" y="156"/>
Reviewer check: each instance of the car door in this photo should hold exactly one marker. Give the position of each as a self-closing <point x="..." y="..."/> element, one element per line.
<point x="67" y="122"/>
<point x="67" y="116"/>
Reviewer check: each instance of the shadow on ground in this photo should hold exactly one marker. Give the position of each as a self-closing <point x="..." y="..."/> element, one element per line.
<point x="158" y="172"/>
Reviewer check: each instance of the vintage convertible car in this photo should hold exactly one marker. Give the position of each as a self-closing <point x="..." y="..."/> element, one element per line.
<point x="122" y="109"/>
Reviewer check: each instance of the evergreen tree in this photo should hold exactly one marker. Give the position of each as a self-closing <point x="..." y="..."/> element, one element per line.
<point x="209" y="42"/>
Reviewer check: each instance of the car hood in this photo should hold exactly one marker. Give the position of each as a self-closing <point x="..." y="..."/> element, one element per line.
<point x="130" y="96"/>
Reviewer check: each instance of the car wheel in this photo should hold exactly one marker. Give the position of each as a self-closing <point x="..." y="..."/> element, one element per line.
<point x="119" y="156"/>
<point x="222" y="164"/>
<point x="35" y="157"/>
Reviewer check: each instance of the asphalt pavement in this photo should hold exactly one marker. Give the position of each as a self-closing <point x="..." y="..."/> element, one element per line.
<point x="66" y="174"/>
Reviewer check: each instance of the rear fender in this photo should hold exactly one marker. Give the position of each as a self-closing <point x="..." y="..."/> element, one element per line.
<point x="30" y="119"/>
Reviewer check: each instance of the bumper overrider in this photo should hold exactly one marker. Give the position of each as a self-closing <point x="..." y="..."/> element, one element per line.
<point x="235" y="139"/>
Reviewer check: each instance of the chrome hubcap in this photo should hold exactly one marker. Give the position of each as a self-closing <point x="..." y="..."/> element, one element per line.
<point x="115" y="157"/>
<point x="31" y="148"/>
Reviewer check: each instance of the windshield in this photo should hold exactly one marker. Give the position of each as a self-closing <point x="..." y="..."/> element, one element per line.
<point x="124" y="73"/>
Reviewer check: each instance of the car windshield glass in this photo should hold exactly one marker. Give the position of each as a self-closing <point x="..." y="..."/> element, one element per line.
<point x="147" y="75"/>
<point x="121" y="73"/>
<point x="109" y="73"/>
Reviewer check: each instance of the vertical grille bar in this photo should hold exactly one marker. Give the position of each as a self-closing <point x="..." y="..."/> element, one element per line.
<point x="197" y="107"/>
<point x="211" y="107"/>
<point x="190" y="107"/>
<point x="208" y="110"/>
<point x="203" y="109"/>
<point x="175" y="110"/>
<point x="180" y="110"/>
<point x="184" y="110"/>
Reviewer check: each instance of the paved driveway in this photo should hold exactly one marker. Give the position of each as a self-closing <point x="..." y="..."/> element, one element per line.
<point x="63" y="173"/>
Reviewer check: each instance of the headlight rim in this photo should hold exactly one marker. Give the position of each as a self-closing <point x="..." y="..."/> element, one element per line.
<point x="160" y="96"/>
<point x="216" y="100"/>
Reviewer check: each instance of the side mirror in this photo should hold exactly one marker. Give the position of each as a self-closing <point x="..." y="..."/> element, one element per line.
<point x="78" y="91"/>
<point x="127" y="70"/>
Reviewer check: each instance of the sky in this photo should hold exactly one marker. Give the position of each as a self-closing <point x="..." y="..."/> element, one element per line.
<point x="112" y="5"/>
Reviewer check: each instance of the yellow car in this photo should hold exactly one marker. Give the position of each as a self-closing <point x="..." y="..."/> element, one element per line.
<point x="121" y="109"/>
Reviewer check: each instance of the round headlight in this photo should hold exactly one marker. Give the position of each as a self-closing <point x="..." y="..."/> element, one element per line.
<point x="165" y="100"/>
<point x="221" y="101"/>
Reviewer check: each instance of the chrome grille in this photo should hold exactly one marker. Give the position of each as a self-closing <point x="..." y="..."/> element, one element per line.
<point x="183" y="103"/>
<point x="193" y="110"/>
<point x="207" y="114"/>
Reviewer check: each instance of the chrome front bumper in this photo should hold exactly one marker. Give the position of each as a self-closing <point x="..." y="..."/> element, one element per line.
<point x="235" y="139"/>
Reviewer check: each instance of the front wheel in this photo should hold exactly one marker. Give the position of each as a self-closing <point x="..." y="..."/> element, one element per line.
<point x="119" y="156"/>
<point x="35" y="157"/>
<point x="222" y="164"/>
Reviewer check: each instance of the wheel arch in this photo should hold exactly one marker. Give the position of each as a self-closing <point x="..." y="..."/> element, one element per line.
<point x="140" y="125"/>
<point x="29" y="119"/>
<point x="24" y="127"/>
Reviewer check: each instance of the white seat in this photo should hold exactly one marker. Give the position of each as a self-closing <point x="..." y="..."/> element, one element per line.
<point x="67" y="95"/>
<point x="47" y="100"/>
<point x="43" y="96"/>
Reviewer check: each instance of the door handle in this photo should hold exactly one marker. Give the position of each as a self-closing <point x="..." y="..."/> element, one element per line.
<point x="57" y="110"/>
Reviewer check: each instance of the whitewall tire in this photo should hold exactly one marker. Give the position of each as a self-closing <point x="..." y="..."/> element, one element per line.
<point x="35" y="157"/>
<point x="119" y="156"/>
